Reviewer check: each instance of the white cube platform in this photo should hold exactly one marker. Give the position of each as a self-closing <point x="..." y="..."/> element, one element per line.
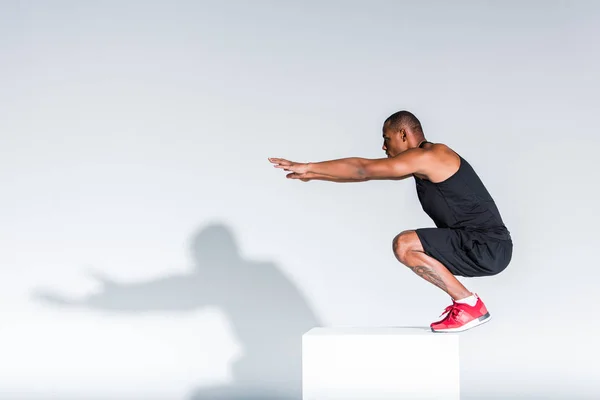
<point x="380" y="364"/>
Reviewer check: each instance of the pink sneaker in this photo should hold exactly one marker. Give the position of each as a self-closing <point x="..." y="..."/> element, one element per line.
<point x="461" y="317"/>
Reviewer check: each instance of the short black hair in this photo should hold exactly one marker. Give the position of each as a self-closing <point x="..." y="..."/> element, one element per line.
<point x="403" y="119"/>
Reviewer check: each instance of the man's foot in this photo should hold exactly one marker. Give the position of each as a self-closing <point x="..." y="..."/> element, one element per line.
<point x="461" y="316"/>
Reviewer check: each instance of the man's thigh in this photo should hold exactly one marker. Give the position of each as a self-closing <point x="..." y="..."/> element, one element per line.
<point x="451" y="247"/>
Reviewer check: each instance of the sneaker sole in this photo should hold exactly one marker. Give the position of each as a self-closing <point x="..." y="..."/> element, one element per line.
<point x="476" y="322"/>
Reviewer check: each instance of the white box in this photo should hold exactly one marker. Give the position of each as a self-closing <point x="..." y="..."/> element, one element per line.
<point x="380" y="364"/>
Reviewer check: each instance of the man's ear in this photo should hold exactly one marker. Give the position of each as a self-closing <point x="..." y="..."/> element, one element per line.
<point x="403" y="134"/>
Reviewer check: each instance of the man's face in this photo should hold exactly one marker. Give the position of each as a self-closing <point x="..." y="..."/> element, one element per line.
<point x="394" y="142"/>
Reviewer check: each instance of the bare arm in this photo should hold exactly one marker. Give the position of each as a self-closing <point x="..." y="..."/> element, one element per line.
<point x="312" y="176"/>
<point x="356" y="169"/>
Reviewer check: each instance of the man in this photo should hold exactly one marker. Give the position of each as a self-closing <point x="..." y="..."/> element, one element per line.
<point x="470" y="238"/>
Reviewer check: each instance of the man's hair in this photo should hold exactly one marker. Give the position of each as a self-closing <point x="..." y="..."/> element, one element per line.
<point x="403" y="120"/>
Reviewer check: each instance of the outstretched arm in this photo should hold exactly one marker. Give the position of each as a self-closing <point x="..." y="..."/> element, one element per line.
<point x="356" y="169"/>
<point x="312" y="176"/>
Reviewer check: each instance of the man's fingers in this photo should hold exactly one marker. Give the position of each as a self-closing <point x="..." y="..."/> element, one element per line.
<point x="295" y="175"/>
<point x="286" y="165"/>
<point x="280" y="161"/>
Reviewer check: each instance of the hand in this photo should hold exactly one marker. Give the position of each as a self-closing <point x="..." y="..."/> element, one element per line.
<point x="298" y="170"/>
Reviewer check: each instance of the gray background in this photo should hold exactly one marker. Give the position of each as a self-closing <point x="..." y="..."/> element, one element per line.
<point x="144" y="235"/>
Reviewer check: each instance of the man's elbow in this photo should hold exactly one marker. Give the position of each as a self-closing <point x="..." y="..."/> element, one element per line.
<point x="362" y="173"/>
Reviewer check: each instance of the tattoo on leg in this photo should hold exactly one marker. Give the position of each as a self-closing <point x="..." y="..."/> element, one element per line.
<point x="429" y="275"/>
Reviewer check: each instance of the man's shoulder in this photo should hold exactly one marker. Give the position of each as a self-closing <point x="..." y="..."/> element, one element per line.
<point x="439" y="151"/>
<point x="439" y="162"/>
<point x="437" y="146"/>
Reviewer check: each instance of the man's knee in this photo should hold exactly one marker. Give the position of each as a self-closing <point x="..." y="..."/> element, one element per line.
<point x="403" y="244"/>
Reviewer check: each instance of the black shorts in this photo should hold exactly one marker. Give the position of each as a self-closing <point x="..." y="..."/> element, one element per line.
<point x="466" y="253"/>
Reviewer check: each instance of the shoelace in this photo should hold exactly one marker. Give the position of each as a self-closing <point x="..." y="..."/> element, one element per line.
<point x="451" y="310"/>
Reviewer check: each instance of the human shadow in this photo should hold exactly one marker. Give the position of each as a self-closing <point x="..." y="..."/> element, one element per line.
<point x="268" y="313"/>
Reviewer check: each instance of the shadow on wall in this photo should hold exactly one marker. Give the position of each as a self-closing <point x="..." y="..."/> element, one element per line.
<point x="267" y="312"/>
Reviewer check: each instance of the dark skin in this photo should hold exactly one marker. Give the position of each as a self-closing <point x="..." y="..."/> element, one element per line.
<point x="434" y="162"/>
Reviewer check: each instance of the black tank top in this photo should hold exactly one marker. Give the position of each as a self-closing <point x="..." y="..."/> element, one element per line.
<point x="461" y="202"/>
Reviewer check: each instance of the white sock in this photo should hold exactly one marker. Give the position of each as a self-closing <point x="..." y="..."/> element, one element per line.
<point x="471" y="300"/>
